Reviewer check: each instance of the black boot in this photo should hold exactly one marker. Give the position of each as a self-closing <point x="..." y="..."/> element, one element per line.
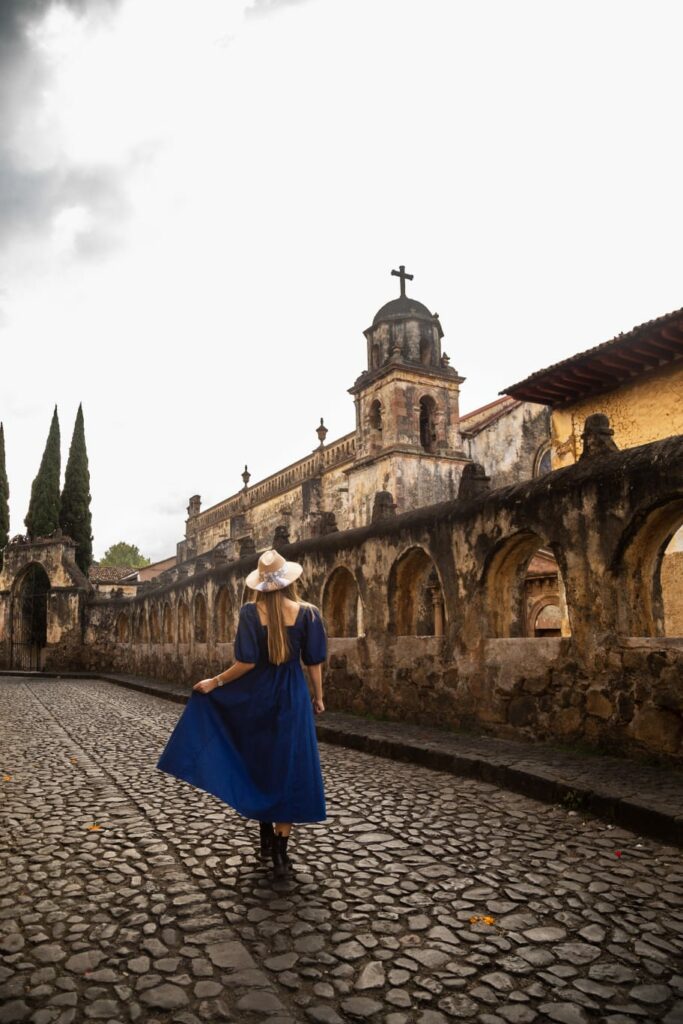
<point x="281" y="862"/>
<point x="266" y="830"/>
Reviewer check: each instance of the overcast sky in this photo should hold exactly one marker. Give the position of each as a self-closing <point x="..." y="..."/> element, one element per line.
<point x="200" y="205"/>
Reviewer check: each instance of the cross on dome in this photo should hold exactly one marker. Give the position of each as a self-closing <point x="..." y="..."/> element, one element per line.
<point x="401" y="272"/>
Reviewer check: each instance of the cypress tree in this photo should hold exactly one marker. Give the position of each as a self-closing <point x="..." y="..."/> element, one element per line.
<point x="43" y="510"/>
<point x="4" y="495"/>
<point x="74" y="514"/>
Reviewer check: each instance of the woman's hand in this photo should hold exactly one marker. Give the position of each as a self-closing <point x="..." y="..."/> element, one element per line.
<point x="318" y="706"/>
<point x="205" y="685"/>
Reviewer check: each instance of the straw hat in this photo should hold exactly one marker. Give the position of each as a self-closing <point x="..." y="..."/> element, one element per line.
<point x="273" y="572"/>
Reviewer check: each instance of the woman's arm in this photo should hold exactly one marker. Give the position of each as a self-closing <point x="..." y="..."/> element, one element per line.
<point x="315" y="673"/>
<point x="238" y="669"/>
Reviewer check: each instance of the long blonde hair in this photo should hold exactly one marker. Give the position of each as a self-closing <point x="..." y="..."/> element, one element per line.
<point x="279" y="649"/>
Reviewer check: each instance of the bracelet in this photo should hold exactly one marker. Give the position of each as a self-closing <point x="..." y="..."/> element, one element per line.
<point x="218" y="681"/>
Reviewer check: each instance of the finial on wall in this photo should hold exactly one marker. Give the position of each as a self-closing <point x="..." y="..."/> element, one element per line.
<point x="321" y="431"/>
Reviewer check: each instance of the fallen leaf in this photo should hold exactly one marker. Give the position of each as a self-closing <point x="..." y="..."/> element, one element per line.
<point x="94" y="827"/>
<point x="7" y="778"/>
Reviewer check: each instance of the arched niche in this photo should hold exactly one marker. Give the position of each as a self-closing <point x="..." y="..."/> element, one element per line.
<point x="428" y="423"/>
<point x="200" y="618"/>
<point x="167" y="624"/>
<point x="416" y="603"/>
<point x="123" y="628"/>
<point x="183" y="623"/>
<point x="649" y="568"/>
<point x="341" y="606"/>
<point x="521" y="578"/>
<point x="140" y="626"/>
<point x="223" y="616"/>
<point x="154" y="624"/>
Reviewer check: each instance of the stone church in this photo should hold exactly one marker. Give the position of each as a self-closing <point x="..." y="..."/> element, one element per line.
<point x="409" y="447"/>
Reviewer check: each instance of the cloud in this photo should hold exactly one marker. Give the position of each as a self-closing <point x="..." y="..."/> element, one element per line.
<point x="33" y="190"/>
<point x="260" y="8"/>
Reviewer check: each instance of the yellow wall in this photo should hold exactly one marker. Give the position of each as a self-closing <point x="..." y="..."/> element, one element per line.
<point x="644" y="410"/>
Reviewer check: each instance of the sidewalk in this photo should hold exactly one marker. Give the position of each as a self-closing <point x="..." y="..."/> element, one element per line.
<point x="646" y="799"/>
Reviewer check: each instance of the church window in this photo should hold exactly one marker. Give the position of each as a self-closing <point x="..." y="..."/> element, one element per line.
<point x="376" y="415"/>
<point x="428" y="423"/>
<point x="542" y="462"/>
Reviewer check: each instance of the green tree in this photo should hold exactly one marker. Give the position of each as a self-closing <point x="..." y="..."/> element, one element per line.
<point x="4" y="495"/>
<point x="74" y="513"/>
<point x="43" y="510"/>
<point x="125" y="555"/>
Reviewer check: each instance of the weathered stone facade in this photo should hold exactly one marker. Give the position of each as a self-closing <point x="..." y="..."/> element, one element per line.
<point x="426" y="610"/>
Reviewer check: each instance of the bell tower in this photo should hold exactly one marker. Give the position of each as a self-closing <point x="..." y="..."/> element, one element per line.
<point x="407" y="411"/>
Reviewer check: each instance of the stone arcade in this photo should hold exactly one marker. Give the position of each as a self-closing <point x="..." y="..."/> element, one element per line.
<point x="419" y="557"/>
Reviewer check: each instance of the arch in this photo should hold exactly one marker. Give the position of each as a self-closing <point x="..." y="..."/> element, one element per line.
<point x="183" y="616"/>
<point x="29" y="615"/>
<point x="426" y="346"/>
<point x="123" y="628"/>
<point x="428" y="423"/>
<point x="154" y="624"/>
<point x="545" y="619"/>
<point x="644" y="589"/>
<point x="521" y="576"/>
<point x="200" y="618"/>
<point x="341" y="605"/>
<point x="416" y="604"/>
<point x="167" y="623"/>
<point x="140" y="626"/>
<point x="375" y="415"/>
<point x="223" y="615"/>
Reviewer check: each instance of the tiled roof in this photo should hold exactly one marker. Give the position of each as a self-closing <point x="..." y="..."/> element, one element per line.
<point x="108" y="573"/>
<point x="473" y="422"/>
<point x="650" y="345"/>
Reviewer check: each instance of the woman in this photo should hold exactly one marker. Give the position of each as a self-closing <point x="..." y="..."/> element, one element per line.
<point x="247" y="735"/>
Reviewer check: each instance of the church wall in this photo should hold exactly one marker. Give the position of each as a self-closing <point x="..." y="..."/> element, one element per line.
<point x="456" y="572"/>
<point x="508" y="447"/>
<point x="413" y="481"/>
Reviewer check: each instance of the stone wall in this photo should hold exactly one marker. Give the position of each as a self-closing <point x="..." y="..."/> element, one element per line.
<point x="457" y="570"/>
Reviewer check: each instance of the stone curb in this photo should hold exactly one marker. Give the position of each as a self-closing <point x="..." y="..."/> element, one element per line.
<point x="541" y="782"/>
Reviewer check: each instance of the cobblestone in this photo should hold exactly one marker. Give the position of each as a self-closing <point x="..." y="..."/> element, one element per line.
<point x="426" y="898"/>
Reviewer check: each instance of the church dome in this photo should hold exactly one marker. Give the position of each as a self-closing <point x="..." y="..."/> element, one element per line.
<point x="402" y="308"/>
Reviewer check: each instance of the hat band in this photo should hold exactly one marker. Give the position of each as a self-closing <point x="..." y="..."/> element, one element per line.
<point x="273" y="577"/>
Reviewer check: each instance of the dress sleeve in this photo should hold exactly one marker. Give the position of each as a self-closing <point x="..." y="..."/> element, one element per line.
<point x="314" y="647"/>
<point x="246" y="647"/>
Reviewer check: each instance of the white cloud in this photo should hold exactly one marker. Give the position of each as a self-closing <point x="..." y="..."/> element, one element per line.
<point x="207" y="210"/>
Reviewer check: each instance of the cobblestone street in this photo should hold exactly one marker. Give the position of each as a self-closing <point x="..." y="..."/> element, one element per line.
<point x="425" y="899"/>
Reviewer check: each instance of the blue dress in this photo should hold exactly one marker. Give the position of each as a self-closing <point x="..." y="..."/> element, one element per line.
<point x="252" y="742"/>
